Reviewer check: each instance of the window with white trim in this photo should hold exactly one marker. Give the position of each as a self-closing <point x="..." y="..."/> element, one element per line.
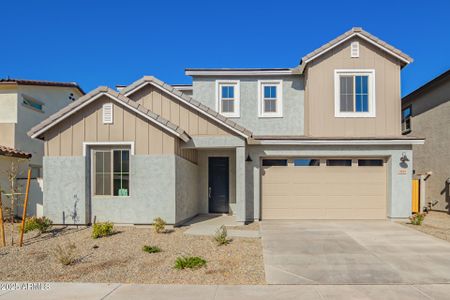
<point x="406" y="120"/>
<point x="270" y="95"/>
<point x="111" y="172"/>
<point x="354" y="93"/>
<point x="227" y="94"/>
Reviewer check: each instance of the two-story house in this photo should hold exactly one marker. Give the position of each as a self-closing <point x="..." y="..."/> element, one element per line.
<point x="25" y="103"/>
<point x="321" y="140"/>
<point x="426" y="113"/>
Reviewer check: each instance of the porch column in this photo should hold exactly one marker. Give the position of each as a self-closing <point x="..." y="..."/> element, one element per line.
<point x="240" y="184"/>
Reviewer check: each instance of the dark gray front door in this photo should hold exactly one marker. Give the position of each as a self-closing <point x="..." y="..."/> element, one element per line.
<point x="218" y="185"/>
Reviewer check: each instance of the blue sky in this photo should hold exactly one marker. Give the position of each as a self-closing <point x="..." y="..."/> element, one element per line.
<point x="116" y="42"/>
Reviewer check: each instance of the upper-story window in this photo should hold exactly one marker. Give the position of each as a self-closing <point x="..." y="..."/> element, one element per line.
<point x="406" y="120"/>
<point x="354" y="93"/>
<point x="32" y="103"/>
<point x="270" y="98"/>
<point x="228" y="103"/>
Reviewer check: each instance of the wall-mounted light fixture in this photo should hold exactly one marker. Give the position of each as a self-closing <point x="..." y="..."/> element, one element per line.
<point x="404" y="158"/>
<point x="248" y="159"/>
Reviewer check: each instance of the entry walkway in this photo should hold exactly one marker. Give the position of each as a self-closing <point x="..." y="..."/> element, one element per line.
<point x="99" y="291"/>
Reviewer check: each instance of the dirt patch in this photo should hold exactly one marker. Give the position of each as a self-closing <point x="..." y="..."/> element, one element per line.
<point x="119" y="258"/>
<point x="436" y="224"/>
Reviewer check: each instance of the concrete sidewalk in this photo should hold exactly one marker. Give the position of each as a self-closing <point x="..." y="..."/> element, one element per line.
<point x="98" y="291"/>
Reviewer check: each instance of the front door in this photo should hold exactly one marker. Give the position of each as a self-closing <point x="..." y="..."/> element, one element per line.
<point x="218" y="185"/>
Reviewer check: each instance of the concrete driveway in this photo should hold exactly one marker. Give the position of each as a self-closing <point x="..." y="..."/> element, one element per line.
<point x="352" y="252"/>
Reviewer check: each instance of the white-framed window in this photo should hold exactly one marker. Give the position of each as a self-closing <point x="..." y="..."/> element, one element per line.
<point x="270" y="95"/>
<point x="111" y="172"/>
<point x="406" y="119"/>
<point x="228" y="98"/>
<point x="354" y="93"/>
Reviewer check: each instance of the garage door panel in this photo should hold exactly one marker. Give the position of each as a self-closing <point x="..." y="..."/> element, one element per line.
<point x="324" y="192"/>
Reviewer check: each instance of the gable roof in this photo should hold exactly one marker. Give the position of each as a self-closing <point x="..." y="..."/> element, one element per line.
<point x="359" y="32"/>
<point x="189" y="101"/>
<point x="41" y="83"/>
<point x="38" y="130"/>
<point x="10" y="152"/>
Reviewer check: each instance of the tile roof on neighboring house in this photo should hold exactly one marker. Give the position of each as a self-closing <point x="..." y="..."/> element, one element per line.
<point x="54" y="119"/>
<point x="355" y="31"/>
<point x="187" y="100"/>
<point x="10" y="152"/>
<point x="41" y="83"/>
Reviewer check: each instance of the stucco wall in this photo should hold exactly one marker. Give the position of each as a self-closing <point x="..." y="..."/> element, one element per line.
<point x="187" y="200"/>
<point x="398" y="177"/>
<point x="152" y="193"/>
<point x="431" y="120"/>
<point x="293" y="107"/>
<point x="65" y="193"/>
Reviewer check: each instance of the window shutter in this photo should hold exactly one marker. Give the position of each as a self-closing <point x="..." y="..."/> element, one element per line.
<point x="354" y="49"/>
<point x="107" y="113"/>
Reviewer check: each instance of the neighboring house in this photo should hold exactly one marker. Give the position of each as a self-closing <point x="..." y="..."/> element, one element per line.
<point x="318" y="141"/>
<point x="426" y="112"/>
<point x="25" y="103"/>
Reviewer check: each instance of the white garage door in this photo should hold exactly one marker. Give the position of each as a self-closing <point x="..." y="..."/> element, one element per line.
<point x="308" y="188"/>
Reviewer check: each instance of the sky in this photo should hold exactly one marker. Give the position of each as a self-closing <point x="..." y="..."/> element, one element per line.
<point x="116" y="42"/>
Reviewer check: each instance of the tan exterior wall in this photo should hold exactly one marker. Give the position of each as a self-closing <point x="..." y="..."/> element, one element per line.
<point x="86" y="125"/>
<point x="431" y="120"/>
<point x="320" y="117"/>
<point x="193" y="122"/>
<point x="7" y="134"/>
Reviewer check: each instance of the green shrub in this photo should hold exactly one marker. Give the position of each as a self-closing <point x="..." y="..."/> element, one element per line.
<point x="221" y="236"/>
<point x="191" y="262"/>
<point x="417" y="219"/>
<point x="65" y="254"/>
<point x="42" y="224"/>
<point x="151" y="249"/>
<point x="160" y="225"/>
<point x="102" y="229"/>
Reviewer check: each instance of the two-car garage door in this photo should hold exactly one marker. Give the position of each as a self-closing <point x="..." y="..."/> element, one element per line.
<point x="323" y="188"/>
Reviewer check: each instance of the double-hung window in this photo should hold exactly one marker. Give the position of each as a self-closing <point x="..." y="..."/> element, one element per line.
<point x="270" y="98"/>
<point x="111" y="172"/>
<point x="354" y="93"/>
<point x="228" y="103"/>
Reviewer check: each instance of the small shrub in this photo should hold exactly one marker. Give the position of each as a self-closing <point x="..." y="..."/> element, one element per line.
<point x="65" y="254"/>
<point x="42" y="224"/>
<point x="191" y="262"/>
<point x="151" y="249"/>
<point x="160" y="225"/>
<point x="417" y="219"/>
<point x="221" y="236"/>
<point x="102" y="229"/>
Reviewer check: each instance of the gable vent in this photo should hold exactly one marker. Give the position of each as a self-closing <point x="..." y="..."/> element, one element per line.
<point x="107" y="113"/>
<point x="354" y="49"/>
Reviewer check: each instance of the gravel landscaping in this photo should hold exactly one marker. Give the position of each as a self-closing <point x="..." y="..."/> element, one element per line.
<point x="436" y="224"/>
<point x="120" y="258"/>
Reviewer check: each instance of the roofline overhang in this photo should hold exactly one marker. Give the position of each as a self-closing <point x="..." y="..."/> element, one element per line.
<point x="337" y="142"/>
<point x="237" y="72"/>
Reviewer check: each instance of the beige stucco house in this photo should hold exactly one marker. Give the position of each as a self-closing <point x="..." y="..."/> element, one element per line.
<point x="321" y="140"/>
<point x="24" y="104"/>
<point x="426" y="113"/>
